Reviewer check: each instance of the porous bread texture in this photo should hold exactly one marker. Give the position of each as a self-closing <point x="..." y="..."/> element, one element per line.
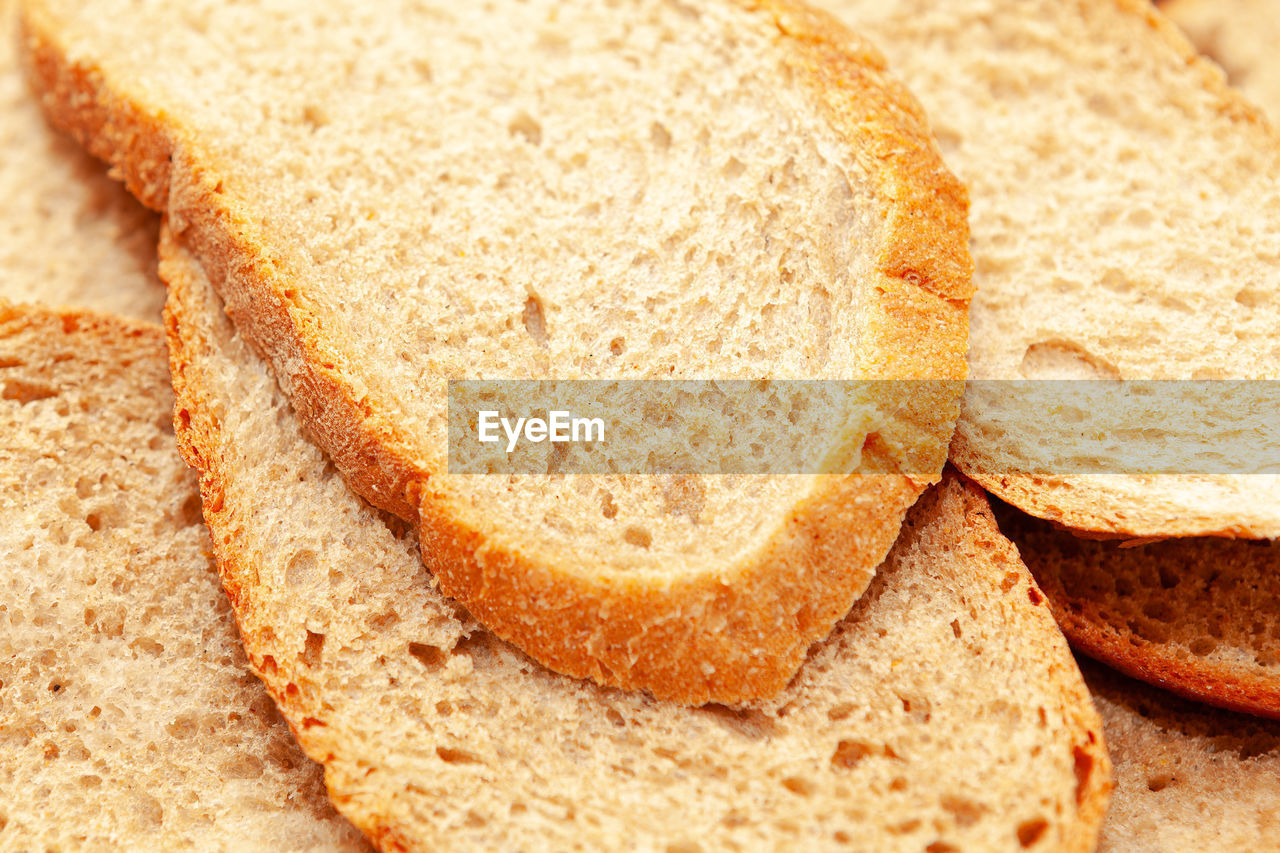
<point x="128" y="717"/>
<point x="1241" y="36"/>
<point x="1200" y="617"/>
<point x="69" y="235"/>
<point x="390" y="195"/>
<point x="1188" y="778"/>
<point x="945" y="710"/>
<point x="1125" y="207"/>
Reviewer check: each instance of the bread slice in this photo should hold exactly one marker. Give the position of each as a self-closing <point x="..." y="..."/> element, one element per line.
<point x="1188" y="778"/>
<point x="128" y="719"/>
<point x="1240" y="35"/>
<point x="69" y="235"/>
<point x="945" y="710"/>
<point x="712" y="189"/>
<point x="1200" y="617"/>
<point x="1125" y="202"/>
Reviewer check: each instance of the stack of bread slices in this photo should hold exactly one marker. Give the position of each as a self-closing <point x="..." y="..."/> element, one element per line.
<point x="249" y="604"/>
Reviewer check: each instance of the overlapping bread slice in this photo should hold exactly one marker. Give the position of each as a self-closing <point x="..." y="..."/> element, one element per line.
<point x="69" y="235"/>
<point x="388" y="196"/>
<point x="1200" y="617"/>
<point x="1188" y="778"/>
<point x="128" y="717"/>
<point x="1241" y="36"/>
<point x="944" y="713"/>
<point x="1125" y="203"/>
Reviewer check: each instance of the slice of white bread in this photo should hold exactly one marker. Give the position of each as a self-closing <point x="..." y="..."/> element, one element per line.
<point x="128" y="717"/>
<point x="1125" y="203"/>
<point x="388" y="196"/>
<point x="945" y="713"/>
<point x="69" y="235"/>
<point x="1241" y="36"/>
<point x="1200" y="617"/>
<point x="1188" y="778"/>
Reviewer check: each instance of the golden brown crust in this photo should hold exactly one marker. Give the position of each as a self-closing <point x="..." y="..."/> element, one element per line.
<point x="819" y="561"/>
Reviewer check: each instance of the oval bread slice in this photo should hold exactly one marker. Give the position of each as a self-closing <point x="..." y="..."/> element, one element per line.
<point x="944" y="713"/>
<point x="391" y="196"/>
<point x="1126" y="206"/>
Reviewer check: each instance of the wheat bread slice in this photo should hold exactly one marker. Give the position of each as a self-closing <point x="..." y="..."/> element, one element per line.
<point x="390" y="196"/>
<point x="69" y="235"/>
<point x="128" y="717"/>
<point x="1125" y="207"/>
<point x="1240" y="35"/>
<point x="1199" y="617"/>
<point x="1188" y="778"/>
<point x="945" y="710"/>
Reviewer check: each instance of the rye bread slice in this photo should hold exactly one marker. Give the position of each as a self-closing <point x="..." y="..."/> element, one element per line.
<point x="1125" y="213"/>
<point x="390" y="196"/>
<point x="1200" y="617"/>
<point x="944" y="712"/>
<point x="128" y="717"/>
<point x="1188" y="778"/>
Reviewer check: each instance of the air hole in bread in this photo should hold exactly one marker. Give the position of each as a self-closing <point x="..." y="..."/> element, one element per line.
<point x="1251" y="298"/>
<point x="799" y="785"/>
<point x="941" y="847"/>
<point x="637" y="536"/>
<point x="617" y="346"/>
<point x="429" y="656"/>
<point x="905" y="827"/>
<point x="26" y="392"/>
<point x="242" y="767"/>
<point x="527" y="128"/>
<point x="1159" y="782"/>
<point x="849" y="752"/>
<point x="965" y="811"/>
<point x="1083" y="765"/>
<point x="535" y="321"/>
<point x="191" y="511"/>
<point x="744" y="722"/>
<point x="608" y="508"/>
<point x="660" y="136"/>
<point x="313" y="649"/>
<point x="301" y="568"/>
<point x="456" y="756"/>
<point x="840" y="711"/>
<point x="1031" y="831"/>
<point x="1064" y="360"/>
<point x="315" y="117"/>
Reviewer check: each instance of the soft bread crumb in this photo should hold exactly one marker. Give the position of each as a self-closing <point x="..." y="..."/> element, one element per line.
<point x="130" y="719"/>
<point x="944" y="713"/>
